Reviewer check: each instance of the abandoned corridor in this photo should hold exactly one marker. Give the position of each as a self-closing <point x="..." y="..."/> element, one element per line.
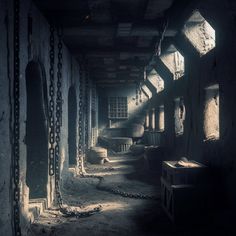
<point x="117" y="117"/>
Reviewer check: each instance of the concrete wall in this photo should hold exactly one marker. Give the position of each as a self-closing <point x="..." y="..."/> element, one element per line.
<point x="70" y="76"/>
<point x="5" y="146"/>
<point x="134" y="111"/>
<point x="216" y="67"/>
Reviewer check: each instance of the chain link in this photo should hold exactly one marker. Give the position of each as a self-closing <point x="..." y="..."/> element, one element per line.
<point x="137" y="94"/>
<point x="162" y="36"/>
<point x="80" y="159"/>
<point x="51" y="153"/>
<point x="117" y="191"/>
<point x="86" y="103"/>
<point x="55" y="129"/>
<point x="58" y="122"/>
<point x="16" y="122"/>
<point x="80" y="214"/>
<point x="140" y="92"/>
<point x="80" y="168"/>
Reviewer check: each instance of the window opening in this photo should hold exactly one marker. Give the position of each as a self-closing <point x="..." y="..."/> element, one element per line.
<point x="72" y="117"/>
<point x="146" y="91"/>
<point x="161" y="118"/>
<point x="147" y="120"/>
<point x="179" y="116"/>
<point x="211" y="113"/>
<point x="174" y="61"/>
<point x="156" y="80"/>
<point x="200" y="33"/>
<point x="117" y="108"/>
<point x="153" y="119"/>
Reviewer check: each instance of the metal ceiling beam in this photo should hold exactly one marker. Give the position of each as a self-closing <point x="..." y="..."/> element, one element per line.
<point x="103" y="30"/>
<point x="115" y="81"/>
<point x="116" y="75"/>
<point x="115" y="85"/>
<point x="118" y="51"/>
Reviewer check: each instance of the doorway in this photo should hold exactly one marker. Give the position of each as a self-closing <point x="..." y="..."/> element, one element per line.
<point x="36" y="132"/>
<point x="72" y="114"/>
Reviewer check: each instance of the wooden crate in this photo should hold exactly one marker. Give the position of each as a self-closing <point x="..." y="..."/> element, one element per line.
<point x="177" y="201"/>
<point x="183" y="175"/>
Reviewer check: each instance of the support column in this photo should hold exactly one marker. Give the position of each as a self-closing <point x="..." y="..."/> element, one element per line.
<point x="153" y="120"/>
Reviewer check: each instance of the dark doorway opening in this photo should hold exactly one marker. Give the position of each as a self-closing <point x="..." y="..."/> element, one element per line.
<point x="36" y="132"/>
<point x="72" y="114"/>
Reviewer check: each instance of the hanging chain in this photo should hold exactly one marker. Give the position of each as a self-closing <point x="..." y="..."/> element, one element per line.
<point x="16" y="123"/>
<point x="86" y="108"/>
<point x="68" y="212"/>
<point x="80" y="159"/>
<point x="140" y="93"/>
<point x="159" y="43"/>
<point x="51" y="103"/>
<point x="80" y="126"/>
<point x="80" y="162"/>
<point x="93" y="116"/>
<point x="55" y="130"/>
<point x="58" y="121"/>
<point x="137" y="93"/>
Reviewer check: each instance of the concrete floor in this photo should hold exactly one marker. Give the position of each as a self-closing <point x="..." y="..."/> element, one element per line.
<point x="119" y="215"/>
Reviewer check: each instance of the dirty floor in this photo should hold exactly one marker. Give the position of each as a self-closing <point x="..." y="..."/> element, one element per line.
<point x="119" y="216"/>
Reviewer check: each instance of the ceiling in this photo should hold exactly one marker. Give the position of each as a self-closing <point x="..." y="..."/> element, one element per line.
<point x="116" y="37"/>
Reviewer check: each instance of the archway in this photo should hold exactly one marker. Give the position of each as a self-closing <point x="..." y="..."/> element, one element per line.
<point x="36" y="132"/>
<point x="72" y="114"/>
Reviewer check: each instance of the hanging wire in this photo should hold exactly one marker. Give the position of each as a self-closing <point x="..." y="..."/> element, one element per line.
<point x="159" y="43"/>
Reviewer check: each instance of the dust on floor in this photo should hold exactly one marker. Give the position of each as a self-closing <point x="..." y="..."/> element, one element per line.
<point x="119" y="216"/>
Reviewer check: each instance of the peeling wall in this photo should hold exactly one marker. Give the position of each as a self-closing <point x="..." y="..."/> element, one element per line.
<point x="136" y="113"/>
<point x="70" y="75"/>
<point x="216" y="67"/>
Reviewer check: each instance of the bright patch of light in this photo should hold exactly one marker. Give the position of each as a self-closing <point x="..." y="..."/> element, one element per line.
<point x="156" y="80"/>
<point x="174" y="61"/>
<point x="146" y="91"/>
<point x="212" y="113"/>
<point x="200" y="33"/>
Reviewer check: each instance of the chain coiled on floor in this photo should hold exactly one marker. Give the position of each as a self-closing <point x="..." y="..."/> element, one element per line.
<point x="80" y="170"/>
<point x="67" y="211"/>
<point x="55" y="126"/>
<point x="117" y="191"/>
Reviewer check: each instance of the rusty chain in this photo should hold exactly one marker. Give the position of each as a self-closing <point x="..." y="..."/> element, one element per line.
<point x="137" y="93"/>
<point x="117" y="191"/>
<point x="51" y="153"/>
<point x="125" y="194"/>
<point x="80" y="159"/>
<point x="58" y="122"/>
<point x="16" y="122"/>
<point x="140" y="94"/>
<point x="80" y="127"/>
<point x="86" y="107"/>
<point x="162" y="35"/>
<point x="55" y="132"/>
